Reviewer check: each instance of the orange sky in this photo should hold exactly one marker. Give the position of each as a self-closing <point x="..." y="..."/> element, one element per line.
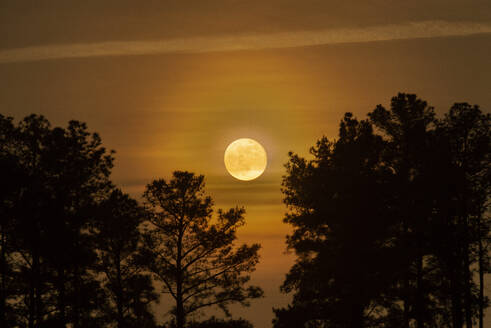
<point x="164" y="108"/>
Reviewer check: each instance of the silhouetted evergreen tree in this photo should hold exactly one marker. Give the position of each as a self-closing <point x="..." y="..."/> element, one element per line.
<point x="193" y="254"/>
<point x="465" y="139"/>
<point x="409" y="128"/>
<point x="389" y="229"/>
<point x="63" y="171"/>
<point x="341" y="215"/>
<point x="443" y="169"/>
<point x="11" y="177"/>
<point x="118" y="240"/>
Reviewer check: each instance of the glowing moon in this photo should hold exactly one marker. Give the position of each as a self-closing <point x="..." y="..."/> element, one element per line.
<point x="245" y="159"/>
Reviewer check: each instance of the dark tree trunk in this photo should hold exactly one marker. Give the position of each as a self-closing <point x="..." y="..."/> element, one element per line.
<point x="34" y="297"/>
<point x="457" y="279"/>
<point x="61" y="297"/>
<point x="76" y="299"/>
<point x="467" y="273"/>
<point x="180" y="315"/>
<point x="30" y="307"/>
<point x="119" y="294"/>
<point x="406" y="302"/>
<point x="3" y="277"/>
<point x="356" y="316"/>
<point x="467" y="282"/>
<point x="481" y="279"/>
<point x="466" y="261"/>
<point x="406" y="311"/>
<point x="419" y="305"/>
<point x="455" y="283"/>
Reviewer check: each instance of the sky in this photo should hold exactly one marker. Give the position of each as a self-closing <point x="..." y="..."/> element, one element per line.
<point x="169" y="84"/>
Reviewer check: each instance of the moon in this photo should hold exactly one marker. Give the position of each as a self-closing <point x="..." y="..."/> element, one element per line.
<point x="245" y="159"/>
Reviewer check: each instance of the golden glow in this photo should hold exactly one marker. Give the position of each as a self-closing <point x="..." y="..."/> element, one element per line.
<point x="245" y="159"/>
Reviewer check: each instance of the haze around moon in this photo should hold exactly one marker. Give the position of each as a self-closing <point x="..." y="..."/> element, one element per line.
<point x="245" y="159"/>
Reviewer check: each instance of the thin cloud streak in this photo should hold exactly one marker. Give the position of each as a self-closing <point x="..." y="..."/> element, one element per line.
<point x="425" y="29"/>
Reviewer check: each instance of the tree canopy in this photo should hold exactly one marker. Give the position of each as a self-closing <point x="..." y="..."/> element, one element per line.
<point x="75" y="250"/>
<point x="389" y="221"/>
<point x="193" y="253"/>
<point x="390" y="228"/>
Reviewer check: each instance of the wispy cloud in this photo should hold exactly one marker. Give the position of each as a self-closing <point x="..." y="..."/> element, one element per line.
<point x="426" y="29"/>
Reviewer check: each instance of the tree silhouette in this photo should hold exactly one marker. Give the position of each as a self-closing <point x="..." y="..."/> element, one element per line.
<point x="466" y="139"/>
<point x="62" y="172"/>
<point x="408" y="127"/>
<point x="390" y="222"/>
<point x="388" y="227"/>
<point x="11" y="175"/>
<point x="442" y="167"/>
<point x="118" y="240"/>
<point x="193" y="254"/>
<point x="338" y="208"/>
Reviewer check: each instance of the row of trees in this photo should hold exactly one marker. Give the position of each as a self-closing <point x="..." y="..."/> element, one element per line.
<point x="76" y="251"/>
<point x="390" y="221"/>
<point x="390" y="228"/>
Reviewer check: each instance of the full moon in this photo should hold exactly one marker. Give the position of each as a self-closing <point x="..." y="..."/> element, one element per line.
<point x="245" y="159"/>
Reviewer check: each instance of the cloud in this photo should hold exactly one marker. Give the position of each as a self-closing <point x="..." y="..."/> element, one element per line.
<point x="426" y="29"/>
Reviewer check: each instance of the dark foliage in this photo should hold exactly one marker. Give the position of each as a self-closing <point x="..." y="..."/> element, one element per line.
<point x="193" y="254"/>
<point x="56" y="205"/>
<point x="119" y="244"/>
<point x="56" y="175"/>
<point x="389" y="221"/>
<point x="75" y="251"/>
